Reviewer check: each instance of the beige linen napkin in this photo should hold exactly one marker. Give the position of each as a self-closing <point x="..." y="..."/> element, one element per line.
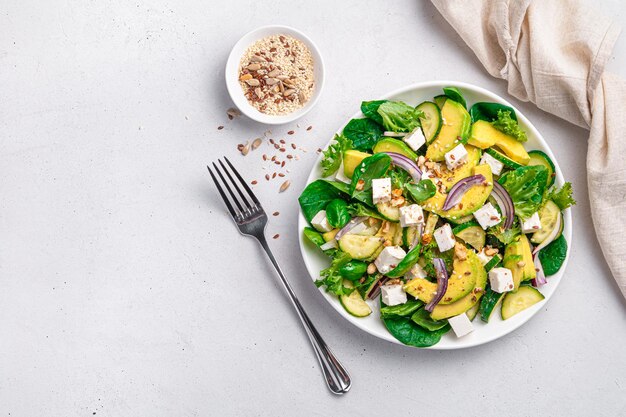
<point x="553" y="53"/>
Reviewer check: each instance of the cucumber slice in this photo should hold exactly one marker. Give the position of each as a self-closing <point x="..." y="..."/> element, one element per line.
<point x="472" y="234"/>
<point x="472" y="312"/>
<point x="354" y="303"/>
<point x="408" y="235"/>
<point x="431" y="121"/>
<point x="520" y="300"/>
<point x="488" y="304"/>
<point x="359" y="247"/>
<point x="508" y="162"/>
<point x="549" y="216"/>
<point x="431" y="223"/>
<point x="539" y="158"/>
<point x="440" y="100"/>
<point x="388" y="212"/>
<point x="493" y="262"/>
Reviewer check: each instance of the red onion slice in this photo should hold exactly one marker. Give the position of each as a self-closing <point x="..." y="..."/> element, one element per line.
<point x="353" y="222"/>
<point x="406" y="164"/>
<point x="460" y="188"/>
<point x="442" y="283"/>
<point x="540" y="278"/>
<point x="552" y="236"/>
<point x="375" y="291"/>
<point x="505" y="203"/>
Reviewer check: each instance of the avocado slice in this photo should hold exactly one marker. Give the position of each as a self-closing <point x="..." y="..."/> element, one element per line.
<point x="460" y="283"/>
<point x="516" y="251"/>
<point x="394" y="145"/>
<point x="455" y="129"/>
<point x="444" y="311"/>
<point x="351" y="160"/>
<point x="473" y="199"/>
<point x="484" y="136"/>
<point x="449" y="178"/>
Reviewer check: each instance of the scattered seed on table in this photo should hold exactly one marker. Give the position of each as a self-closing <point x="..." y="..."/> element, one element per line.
<point x="275" y="213"/>
<point x="280" y="174"/>
<point x="264" y="157"/>
<point x="276" y="146"/>
<point x="293" y="146"/>
<point x="272" y="141"/>
<point x="254" y="182"/>
<point x="274" y="158"/>
<point x="319" y="150"/>
<point x="274" y="175"/>
<point x="309" y="128"/>
<point x="282" y="141"/>
<point x="256" y="143"/>
<point x="277" y="162"/>
<point x="285" y="185"/>
<point x="290" y="156"/>
<point x="283" y="164"/>
<point x="291" y="132"/>
<point x="276" y="236"/>
<point x="282" y="149"/>
<point x="220" y="127"/>
<point x="267" y="177"/>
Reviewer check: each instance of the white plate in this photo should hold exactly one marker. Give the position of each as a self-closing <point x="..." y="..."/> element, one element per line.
<point x="232" y="74"/>
<point x="315" y="260"/>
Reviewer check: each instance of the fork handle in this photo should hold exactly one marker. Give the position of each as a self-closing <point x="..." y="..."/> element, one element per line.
<point x="337" y="378"/>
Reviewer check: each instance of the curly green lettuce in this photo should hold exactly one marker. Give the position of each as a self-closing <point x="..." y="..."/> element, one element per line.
<point x="331" y="278"/>
<point x="506" y="124"/>
<point x="333" y="155"/>
<point x="526" y="186"/>
<point x="398" y="116"/>
<point x="563" y="197"/>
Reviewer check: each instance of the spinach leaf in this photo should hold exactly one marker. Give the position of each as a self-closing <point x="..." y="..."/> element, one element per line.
<point x="353" y="270"/>
<point x="358" y="209"/>
<point x="421" y="191"/>
<point x="422" y="318"/>
<point x="454" y="94"/>
<point x="563" y="197"/>
<point x="370" y="110"/>
<point x="314" y="236"/>
<point x="398" y="116"/>
<point x="318" y="194"/>
<point x="372" y="167"/>
<point x="406" y="263"/>
<point x="331" y="278"/>
<point x="506" y="124"/>
<point x="337" y="213"/>
<point x="364" y="133"/>
<point x="409" y="333"/>
<point x="401" y="310"/>
<point x="526" y="186"/>
<point x="333" y="155"/>
<point x="489" y="111"/>
<point x="553" y="256"/>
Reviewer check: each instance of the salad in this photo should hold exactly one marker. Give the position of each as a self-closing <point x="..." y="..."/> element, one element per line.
<point x="438" y="212"/>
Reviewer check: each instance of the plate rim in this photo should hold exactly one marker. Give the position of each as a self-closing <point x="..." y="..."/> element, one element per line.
<point x="567" y="229"/>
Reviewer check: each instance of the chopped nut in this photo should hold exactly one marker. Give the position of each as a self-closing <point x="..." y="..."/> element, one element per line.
<point x="521" y="264"/>
<point x="460" y="251"/>
<point x="371" y="269"/>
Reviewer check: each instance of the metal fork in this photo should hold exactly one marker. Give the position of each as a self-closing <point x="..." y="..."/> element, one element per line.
<point x="251" y="220"/>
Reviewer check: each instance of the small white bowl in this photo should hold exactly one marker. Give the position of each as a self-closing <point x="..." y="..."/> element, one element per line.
<point x="232" y="74"/>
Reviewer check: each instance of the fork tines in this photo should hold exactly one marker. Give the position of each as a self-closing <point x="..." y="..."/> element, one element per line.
<point x="243" y="204"/>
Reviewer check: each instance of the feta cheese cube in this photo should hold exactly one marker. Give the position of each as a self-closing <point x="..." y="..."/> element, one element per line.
<point x="456" y="157"/>
<point x="484" y="258"/>
<point x="501" y="280"/>
<point x="411" y="215"/>
<point x="532" y="224"/>
<point x="444" y="237"/>
<point x="461" y="325"/>
<point x="381" y="190"/>
<point x="393" y="294"/>
<point x="331" y="244"/>
<point x="320" y="222"/>
<point x="487" y="216"/>
<point x="341" y="176"/>
<point x="495" y="165"/>
<point x="389" y="258"/>
<point x="415" y="139"/>
<point x="416" y="272"/>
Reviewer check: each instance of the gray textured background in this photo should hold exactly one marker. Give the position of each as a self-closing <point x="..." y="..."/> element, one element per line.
<point x="122" y="286"/>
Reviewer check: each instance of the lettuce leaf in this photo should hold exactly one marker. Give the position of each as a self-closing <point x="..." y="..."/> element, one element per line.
<point x="398" y="116"/>
<point x="331" y="278"/>
<point x="507" y="124"/>
<point x="333" y="155"/>
<point x="526" y="186"/>
<point x="563" y="197"/>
